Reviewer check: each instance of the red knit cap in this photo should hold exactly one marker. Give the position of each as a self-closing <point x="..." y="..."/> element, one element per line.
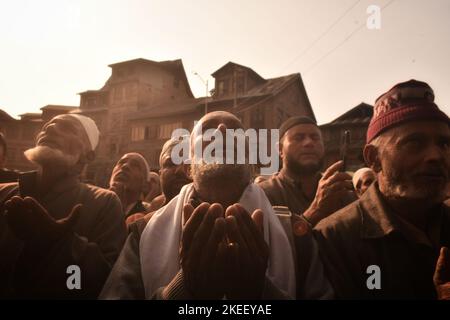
<point x="407" y="101"/>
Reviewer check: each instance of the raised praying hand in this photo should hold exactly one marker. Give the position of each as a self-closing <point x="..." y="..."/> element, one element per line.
<point x="32" y="223"/>
<point x="223" y="252"/>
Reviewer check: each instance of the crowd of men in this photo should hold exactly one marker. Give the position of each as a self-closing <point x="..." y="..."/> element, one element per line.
<point x="202" y="230"/>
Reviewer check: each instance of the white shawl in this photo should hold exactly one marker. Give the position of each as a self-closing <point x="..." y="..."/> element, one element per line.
<point x="160" y="242"/>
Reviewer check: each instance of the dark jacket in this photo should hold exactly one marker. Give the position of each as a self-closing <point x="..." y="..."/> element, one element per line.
<point x="368" y="233"/>
<point x="282" y="190"/>
<point x="8" y="176"/>
<point x="93" y="244"/>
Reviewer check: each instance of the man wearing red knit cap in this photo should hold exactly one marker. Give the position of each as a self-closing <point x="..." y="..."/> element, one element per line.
<point x="392" y="243"/>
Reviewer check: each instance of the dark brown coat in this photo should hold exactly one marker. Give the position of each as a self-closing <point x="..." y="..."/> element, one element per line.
<point x="93" y="245"/>
<point x="366" y="233"/>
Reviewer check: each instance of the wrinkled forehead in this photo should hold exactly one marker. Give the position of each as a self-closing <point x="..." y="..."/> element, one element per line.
<point x="134" y="157"/>
<point x="303" y="128"/>
<point x="69" y="120"/>
<point x="214" y="119"/>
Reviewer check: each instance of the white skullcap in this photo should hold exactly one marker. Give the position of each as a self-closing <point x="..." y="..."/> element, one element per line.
<point x="90" y="127"/>
<point x="358" y="174"/>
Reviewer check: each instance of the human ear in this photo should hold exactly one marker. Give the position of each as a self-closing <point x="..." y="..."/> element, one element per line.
<point x="372" y="158"/>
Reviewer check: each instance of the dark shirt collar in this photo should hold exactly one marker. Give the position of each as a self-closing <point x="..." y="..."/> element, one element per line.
<point x="283" y="174"/>
<point x="376" y="222"/>
<point x="294" y="181"/>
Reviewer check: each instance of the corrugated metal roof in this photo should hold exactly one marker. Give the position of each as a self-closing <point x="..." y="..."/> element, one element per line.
<point x="231" y="64"/>
<point x="272" y="86"/>
<point x="361" y="114"/>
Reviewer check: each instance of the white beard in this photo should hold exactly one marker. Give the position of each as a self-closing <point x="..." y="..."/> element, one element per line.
<point x="396" y="188"/>
<point x="44" y="155"/>
<point x="215" y="176"/>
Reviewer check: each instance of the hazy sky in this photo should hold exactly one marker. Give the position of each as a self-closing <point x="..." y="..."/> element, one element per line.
<point x="53" y="49"/>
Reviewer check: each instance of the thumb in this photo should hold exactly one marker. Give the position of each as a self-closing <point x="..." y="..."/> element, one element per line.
<point x="72" y="218"/>
<point x="188" y="209"/>
<point x="442" y="271"/>
<point x="38" y="216"/>
<point x="35" y="206"/>
<point x="335" y="167"/>
<point x="258" y="219"/>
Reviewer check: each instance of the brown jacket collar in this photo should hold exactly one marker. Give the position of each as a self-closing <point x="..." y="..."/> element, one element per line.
<point x="378" y="221"/>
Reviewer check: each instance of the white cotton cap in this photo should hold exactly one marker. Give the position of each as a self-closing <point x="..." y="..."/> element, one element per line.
<point x="90" y="127"/>
<point x="358" y="174"/>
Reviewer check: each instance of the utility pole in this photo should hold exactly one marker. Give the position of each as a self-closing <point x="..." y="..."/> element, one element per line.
<point x="235" y="88"/>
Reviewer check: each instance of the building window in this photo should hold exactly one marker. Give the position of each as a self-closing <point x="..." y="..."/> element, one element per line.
<point x="165" y="130"/>
<point x="257" y="118"/>
<point x="220" y="87"/>
<point x="92" y="101"/>
<point x="151" y="132"/>
<point x="116" y="120"/>
<point x="223" y="87"/>
<point x="137" y="133"/>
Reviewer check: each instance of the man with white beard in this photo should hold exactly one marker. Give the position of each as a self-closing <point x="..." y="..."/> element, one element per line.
<point x="392" y="242"/>
<point x="219" y="238"/>
<point x="58" y="237"/>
